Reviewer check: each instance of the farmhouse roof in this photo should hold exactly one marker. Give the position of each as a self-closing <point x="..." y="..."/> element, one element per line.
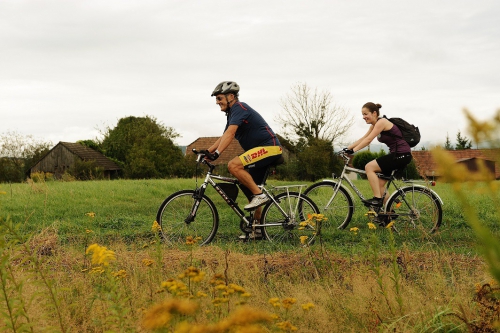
<point x="88" y="154"/>
<point x="234" y="149"/>
<point x="427" y="166"/>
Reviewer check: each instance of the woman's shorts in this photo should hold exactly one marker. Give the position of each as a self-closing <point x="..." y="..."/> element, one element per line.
<point x="393" y="161"/>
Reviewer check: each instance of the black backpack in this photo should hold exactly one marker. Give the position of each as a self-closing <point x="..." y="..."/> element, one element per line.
<point x="410" y="133"/>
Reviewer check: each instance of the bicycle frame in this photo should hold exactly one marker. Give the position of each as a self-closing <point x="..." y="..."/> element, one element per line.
<point x="390" y="180"/>
<point x="209" y="179"/>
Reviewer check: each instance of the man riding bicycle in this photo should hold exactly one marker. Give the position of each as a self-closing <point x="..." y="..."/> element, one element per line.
<point x="261" y="145"/>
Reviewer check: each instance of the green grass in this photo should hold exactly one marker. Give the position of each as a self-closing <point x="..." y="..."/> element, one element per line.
<point x="126" y="209"/>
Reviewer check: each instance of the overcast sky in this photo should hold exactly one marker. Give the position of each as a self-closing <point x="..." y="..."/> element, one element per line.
<point x="69" y="68"/>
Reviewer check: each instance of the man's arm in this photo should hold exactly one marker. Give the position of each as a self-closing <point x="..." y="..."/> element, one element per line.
<point x="224" y="141"/>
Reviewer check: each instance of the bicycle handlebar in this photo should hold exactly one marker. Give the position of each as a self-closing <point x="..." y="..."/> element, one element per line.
<point x="346" y="157"/>
<point x="201" y="158"/>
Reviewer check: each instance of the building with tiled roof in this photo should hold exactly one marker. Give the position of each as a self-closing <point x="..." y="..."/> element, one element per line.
<point x="427" y="166"/>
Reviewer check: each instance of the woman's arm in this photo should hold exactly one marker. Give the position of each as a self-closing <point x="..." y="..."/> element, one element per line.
<point x="379" y="126"/>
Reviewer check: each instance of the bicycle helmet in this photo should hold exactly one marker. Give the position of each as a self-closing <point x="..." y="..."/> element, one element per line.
<point x="226" y="87"/>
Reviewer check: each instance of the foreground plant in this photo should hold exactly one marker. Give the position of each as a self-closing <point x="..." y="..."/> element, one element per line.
<point x="464" y="181"/>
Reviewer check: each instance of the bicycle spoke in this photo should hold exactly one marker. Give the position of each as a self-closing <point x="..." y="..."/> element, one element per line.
<point x="337" y="209"/>
<point x="177" y="224"/>
<point x="293" y="227"/>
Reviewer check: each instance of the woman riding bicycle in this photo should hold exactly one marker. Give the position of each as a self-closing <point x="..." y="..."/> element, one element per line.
<point x="399" y="151"/>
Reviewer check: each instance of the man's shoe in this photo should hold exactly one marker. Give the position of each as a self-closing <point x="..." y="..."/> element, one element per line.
<point x="255" y="235"/>
<point x="373" y="202"/>
<point x="257" y="201"/>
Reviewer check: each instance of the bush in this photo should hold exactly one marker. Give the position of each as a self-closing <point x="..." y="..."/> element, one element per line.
<point x="363" y="158"/>
<point x="86" y="170"/>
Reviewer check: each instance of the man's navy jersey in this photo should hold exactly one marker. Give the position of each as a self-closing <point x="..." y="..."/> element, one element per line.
<point x="253" y="131"/>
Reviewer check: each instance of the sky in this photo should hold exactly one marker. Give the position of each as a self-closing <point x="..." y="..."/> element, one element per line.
<point x="70" y="69"/>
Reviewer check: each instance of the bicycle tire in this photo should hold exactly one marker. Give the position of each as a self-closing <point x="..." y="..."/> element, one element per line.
<point x="278" y="228"/>
<point x="174" y="211"/>
<point x="340" y="211"/>
<point x="424" y="210"/>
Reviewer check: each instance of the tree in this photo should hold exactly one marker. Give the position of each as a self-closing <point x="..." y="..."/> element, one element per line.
<point x="317" y="160"/>
<point x="144" y="147"/>
<point x="447" y="144"/>
<point x="18" y="153"/>
<point x="308" y="114"/>
<point x="462" y="142"/>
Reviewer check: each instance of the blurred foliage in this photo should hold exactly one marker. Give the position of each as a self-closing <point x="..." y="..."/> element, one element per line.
<point x="464" y="181"/>
<point x="18" y="153"/>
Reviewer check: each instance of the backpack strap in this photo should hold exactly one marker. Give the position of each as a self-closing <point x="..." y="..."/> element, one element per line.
<point x="390" y="134"/>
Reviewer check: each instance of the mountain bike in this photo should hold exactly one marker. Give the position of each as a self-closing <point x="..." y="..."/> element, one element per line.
<point x="192" y="213"/>
<point x="411" y="205"/>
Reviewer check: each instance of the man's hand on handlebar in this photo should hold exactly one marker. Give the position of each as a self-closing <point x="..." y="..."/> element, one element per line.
<point x="211" y="156"/>
<point x="348" y="151"/>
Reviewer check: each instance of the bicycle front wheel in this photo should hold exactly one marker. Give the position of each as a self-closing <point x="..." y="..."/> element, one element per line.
<point x="336" y="207"/>
<point x="285" y="220"/>
<point x="416" y="207"/>
<point x="183" y="214"/>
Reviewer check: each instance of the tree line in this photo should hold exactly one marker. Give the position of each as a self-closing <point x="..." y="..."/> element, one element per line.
<point x="311" y="125"/>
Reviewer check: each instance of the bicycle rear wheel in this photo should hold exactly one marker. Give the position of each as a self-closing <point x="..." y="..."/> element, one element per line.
<point x="339" y="211"/>
<point x="282" y="220"/>
<point x="416" y="207"/>
<point x="176" y="220"/>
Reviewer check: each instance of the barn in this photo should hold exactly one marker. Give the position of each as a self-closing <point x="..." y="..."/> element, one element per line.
<point x="64" y="155"/>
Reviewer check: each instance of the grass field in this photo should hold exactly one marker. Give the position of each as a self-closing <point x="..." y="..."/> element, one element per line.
<point x="368" y="281"/>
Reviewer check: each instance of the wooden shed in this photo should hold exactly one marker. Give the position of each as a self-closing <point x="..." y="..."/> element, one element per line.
<point x="63" y="156"/>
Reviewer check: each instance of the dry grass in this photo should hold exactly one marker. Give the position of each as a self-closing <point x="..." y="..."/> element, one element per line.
<point x="344" y="291"/>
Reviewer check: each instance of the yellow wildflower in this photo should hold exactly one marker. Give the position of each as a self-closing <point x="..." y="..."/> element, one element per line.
<point x="237" y="288"/>
<point x="303" y="239"/>
<point x="88" y="231"/>
<point x="120" y="274"/>
<point x="193" y="274"/>
<point x="288" y="302"/>
<point x="372" y="226"/>
<point x="156" y="227"/>
<point x="174" y="286"/>
<point x="389" y="226"/>
<point x="201" y="294"/>
<point x="158" y="316"/>
<point x="286" y="326"/>
<point x="217" y="279"/>
<point x="90" y="214"/>
<point x="307" y="306"/>
<point x="220" y="300"/>
<point x="147" y="262"/>
<point x="246" y="295"/>
<point x="355" y="230"/>
<point x="100" y="254"/>
<point x="97" y="270"/>
<point x="275" y="301"/>
<point x="190" y="240"/>
<point x="243" y="317"/>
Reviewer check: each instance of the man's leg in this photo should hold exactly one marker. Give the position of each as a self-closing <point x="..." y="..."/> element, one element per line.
<point x="236" y="168"/>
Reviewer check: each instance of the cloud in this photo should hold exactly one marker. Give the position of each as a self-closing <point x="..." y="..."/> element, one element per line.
<point x="71" y="66"/>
